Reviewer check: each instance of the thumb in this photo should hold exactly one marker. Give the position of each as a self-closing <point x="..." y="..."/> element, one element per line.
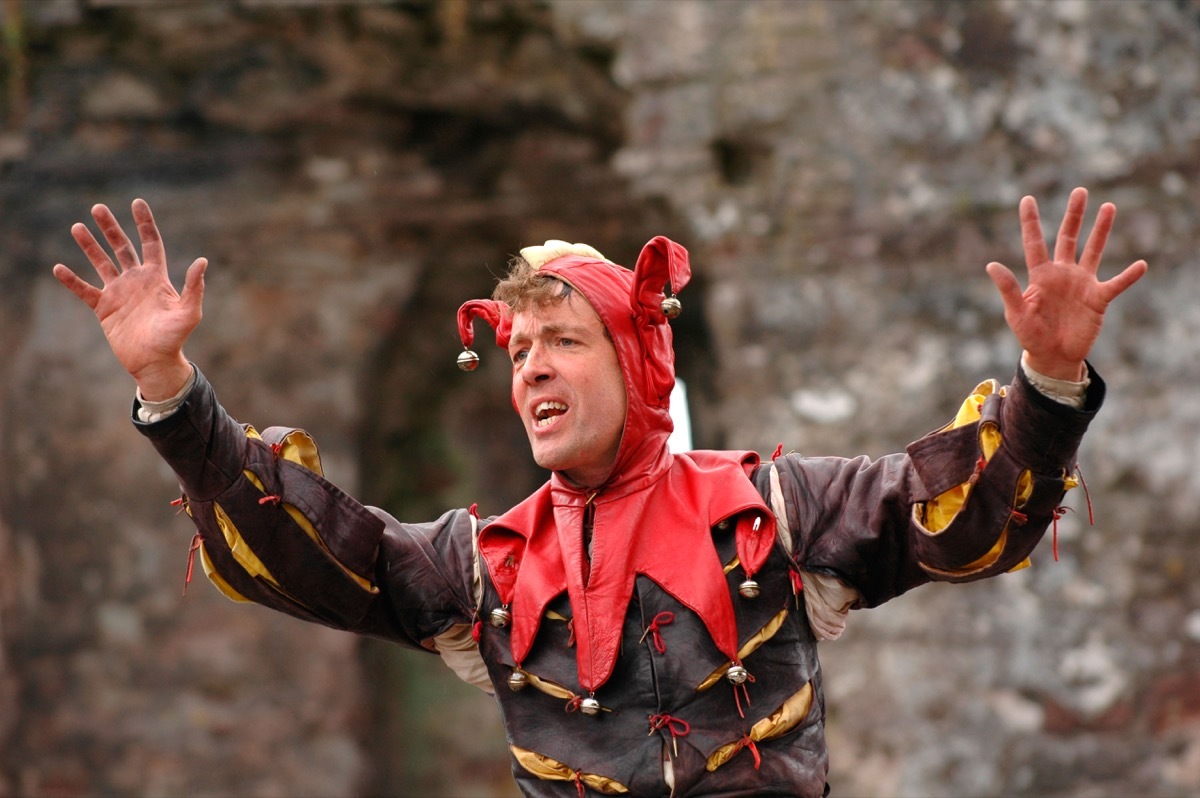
<point x="193" y="286"/>
<point x="1007" y="284"/>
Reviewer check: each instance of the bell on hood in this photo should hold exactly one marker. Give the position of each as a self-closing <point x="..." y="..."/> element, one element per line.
<point x="589" y="706"/>
<point x="500" y="617"/>
<point x="518" y="681"/>
<point x="468" y="360"/>
<point x="671" y="307"/>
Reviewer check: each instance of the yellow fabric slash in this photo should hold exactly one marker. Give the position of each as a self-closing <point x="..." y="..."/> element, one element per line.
<point x="239" y="548"/>
<point x="297" y="447"/>
<point x="789" y="715"/>
<point x="936" y="514"/>
<point x="214" y="577"/>
<point x="548" y="687"/>
<point x="757" y="639"/>
<point x="549" y="769"/>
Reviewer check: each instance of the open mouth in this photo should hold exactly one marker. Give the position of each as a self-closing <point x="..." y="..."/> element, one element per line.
<point x="546" y="412"/>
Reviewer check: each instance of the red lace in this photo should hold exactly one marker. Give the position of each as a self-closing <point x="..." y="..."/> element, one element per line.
<point x="653" y="630"/>
<point x="746" y="742"/>
<point x="678" y="727"/>
<point x="1059" y="512"/>
<point x="191" y="560"/>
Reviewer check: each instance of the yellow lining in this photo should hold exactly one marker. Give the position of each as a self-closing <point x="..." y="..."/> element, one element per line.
<point x="1024" y="489"/>
<point x="549" y="769"/>
<point x="757" y="639"/>
<point x="936" y="514"/>
<point x="778" y="723"/>
<point x="297" y="447"/>
<point x="239" y="548"/>
<point x="312" y="533"/>
<point x="217" y="580"/>
<point x="546" y="686"/>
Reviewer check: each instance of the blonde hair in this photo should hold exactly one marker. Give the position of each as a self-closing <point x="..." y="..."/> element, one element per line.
<point x="524" y="287"/>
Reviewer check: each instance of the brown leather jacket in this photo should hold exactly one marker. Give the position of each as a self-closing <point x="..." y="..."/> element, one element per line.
<point x="274" y="531"/>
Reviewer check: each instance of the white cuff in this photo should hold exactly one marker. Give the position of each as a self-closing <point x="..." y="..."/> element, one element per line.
<point x="148" y="412"/>
<point x="1066" y="392"/>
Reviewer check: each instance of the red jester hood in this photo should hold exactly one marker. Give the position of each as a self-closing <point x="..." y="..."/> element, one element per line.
<point x="655" y="512"/>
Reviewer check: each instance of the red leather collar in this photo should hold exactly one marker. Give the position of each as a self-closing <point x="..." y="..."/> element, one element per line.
<point x="662" y="530"/>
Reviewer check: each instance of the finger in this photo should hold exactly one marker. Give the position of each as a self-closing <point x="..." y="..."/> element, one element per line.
<point x="1008" y="286"/>
<point x="152" y="244"/>
<point x="1111" y="289"/>
<point x="1067" y="243"/>
<point x="1031" y="234"/>
<point x="95" y="253"/>
<point x="122" y="247"/>
<point x="192" y="297"/>
<point x="81" y="288"/>
<point x="1094" y="249"/>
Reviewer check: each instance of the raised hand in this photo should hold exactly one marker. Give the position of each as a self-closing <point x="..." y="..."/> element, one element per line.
<point x="144" y="319"/>
<point x="1058" y="316"/>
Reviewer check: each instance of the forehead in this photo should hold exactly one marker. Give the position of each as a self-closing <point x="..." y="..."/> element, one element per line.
<point x="573" y="313"/>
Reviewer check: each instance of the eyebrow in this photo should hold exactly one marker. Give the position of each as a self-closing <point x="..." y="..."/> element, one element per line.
<point x="573" y="330"/>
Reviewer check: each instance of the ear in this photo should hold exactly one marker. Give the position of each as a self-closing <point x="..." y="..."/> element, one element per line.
<point x="661" y="263"/>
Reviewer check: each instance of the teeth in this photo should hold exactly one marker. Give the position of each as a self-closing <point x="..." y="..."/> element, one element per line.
<point x="542" y="415"/>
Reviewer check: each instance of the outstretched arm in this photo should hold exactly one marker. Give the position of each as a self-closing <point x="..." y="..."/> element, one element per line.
<point x="144" y="319"/>
<point x="1058" y="316"/>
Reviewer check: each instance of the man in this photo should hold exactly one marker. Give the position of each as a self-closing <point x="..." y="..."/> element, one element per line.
<point x="647" y="621"/>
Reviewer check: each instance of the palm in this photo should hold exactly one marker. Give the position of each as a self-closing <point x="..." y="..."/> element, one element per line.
<point x="1059" y="314"/>
<point x="144" y="319"/>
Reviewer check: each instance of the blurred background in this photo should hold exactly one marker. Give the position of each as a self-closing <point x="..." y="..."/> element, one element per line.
<point x="841" y="172"/>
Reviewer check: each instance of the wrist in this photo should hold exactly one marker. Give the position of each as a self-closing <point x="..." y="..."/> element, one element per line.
<point x="1067" y="371"/>
<point x="163" y="380"/>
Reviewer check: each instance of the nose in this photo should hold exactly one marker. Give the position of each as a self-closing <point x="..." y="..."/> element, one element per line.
<point x="537" y="366"/>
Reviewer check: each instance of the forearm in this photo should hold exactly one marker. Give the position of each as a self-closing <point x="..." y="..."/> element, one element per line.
<point x="274" y="531"/>
<point x="201" y="443"/>
<point x="992" y="488"/>
<point x="968" y="501"/>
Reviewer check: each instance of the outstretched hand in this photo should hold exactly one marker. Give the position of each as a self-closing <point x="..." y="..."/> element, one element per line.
<point x="1059" y="314"/>
<point x="144" y="319"/>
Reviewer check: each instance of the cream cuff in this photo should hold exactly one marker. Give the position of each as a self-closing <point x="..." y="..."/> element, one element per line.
<point x="148" y="412"/>
<point x="1064" y="392"/>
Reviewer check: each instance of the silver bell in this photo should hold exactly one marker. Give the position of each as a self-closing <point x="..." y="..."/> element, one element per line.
<point x="518" y="681"/>
<point x="737" y="674"/>
<point x="589" y="706"/>
<point x="748" y="589"/>
<point x="468" y="360"/>
<point x="500" y="617"/>
<point x="671" y="307"/>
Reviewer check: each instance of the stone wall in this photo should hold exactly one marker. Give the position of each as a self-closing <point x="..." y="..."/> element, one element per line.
<point x="840" y="171"/>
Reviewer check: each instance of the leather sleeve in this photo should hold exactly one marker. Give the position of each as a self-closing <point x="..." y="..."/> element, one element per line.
<point x="279" y="534"/>
<point x="861" y="520"/>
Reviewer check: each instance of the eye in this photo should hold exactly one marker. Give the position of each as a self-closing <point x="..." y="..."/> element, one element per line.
<point x="520" y="355"/>
<point x="567" y="342"/>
